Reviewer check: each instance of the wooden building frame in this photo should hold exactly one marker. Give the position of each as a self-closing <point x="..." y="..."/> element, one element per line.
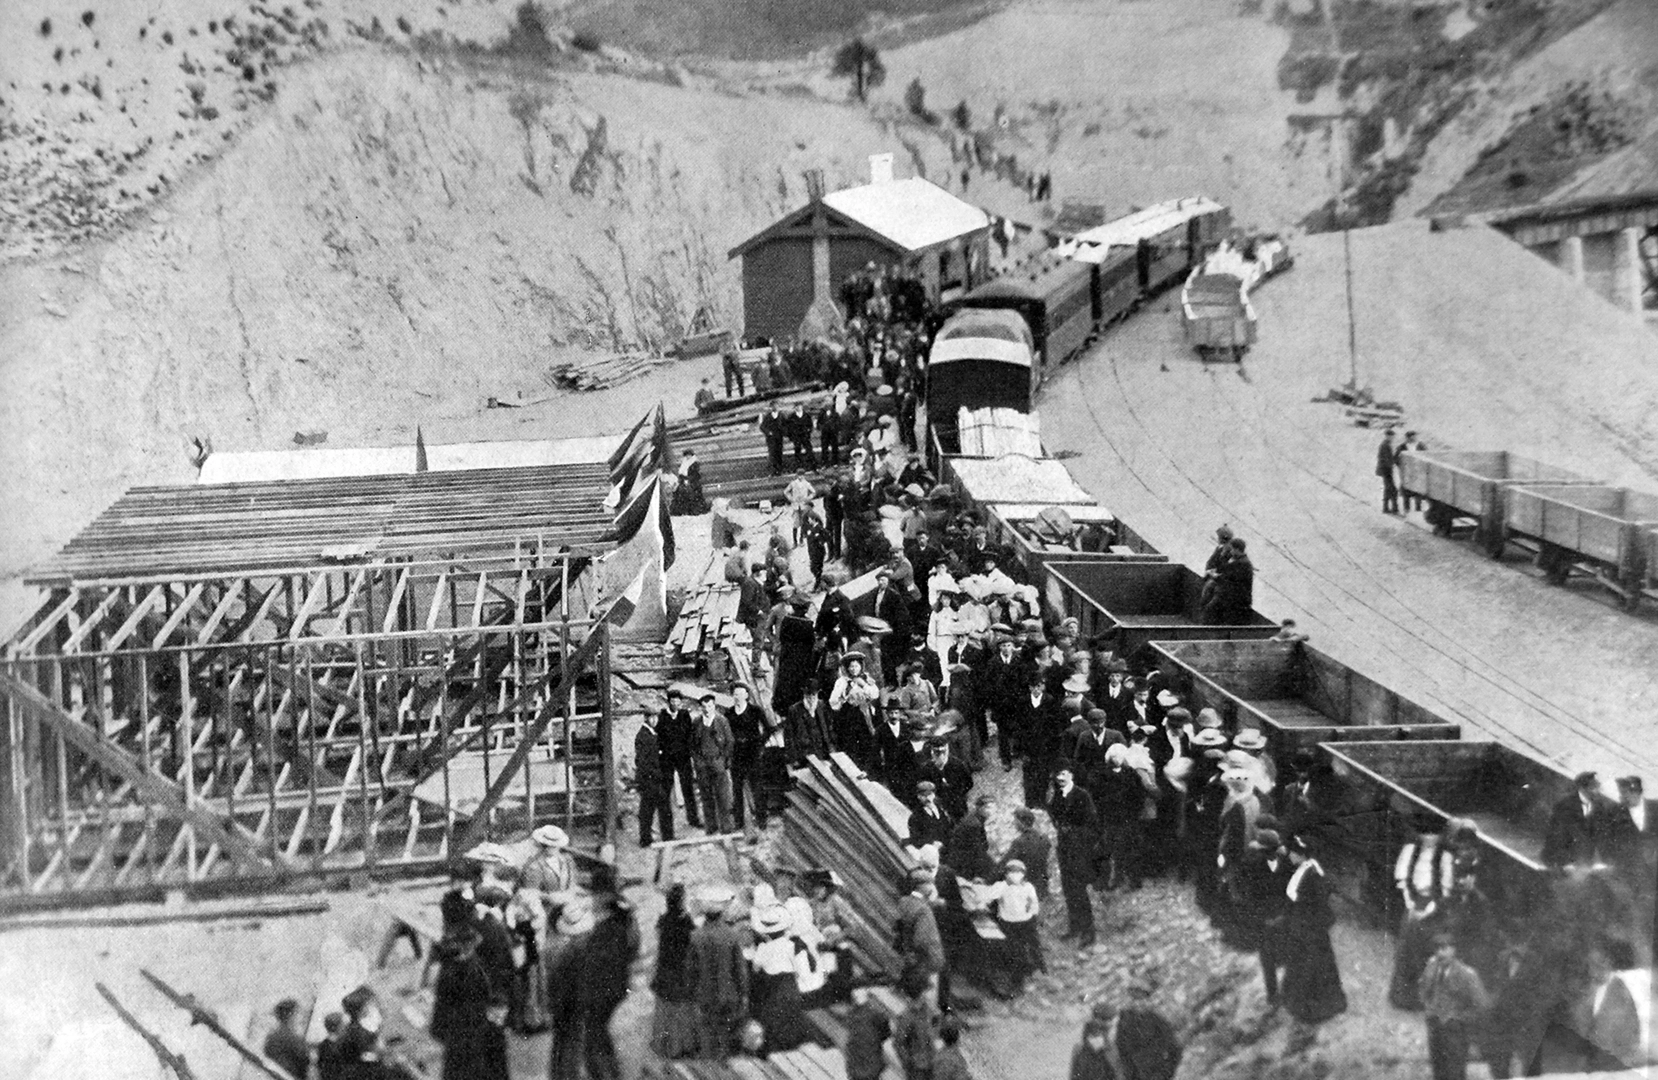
<point x="235" y="729"/>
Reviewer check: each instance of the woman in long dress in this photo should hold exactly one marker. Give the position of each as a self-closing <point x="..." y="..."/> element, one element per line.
<point x="774" y="993"/>
<point x="1312" y="990"/>
<point x="674" y="1031"/>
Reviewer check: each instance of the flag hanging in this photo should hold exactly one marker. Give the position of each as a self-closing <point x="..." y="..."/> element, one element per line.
<point x="647" y="510"/>
<point x="621" y="451"/>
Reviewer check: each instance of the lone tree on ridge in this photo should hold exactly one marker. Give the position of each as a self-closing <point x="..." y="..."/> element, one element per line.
<point x="859" y="59"/>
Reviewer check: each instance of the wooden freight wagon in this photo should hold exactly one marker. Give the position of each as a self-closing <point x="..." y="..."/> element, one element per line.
<point x="1298" y="696"/>
<point x="1217" y="317"/>
<point x="1130" y="604"/>
<point x="1474" y="484"/>
<point x="1384" y="786"/>
<point x="1017" y="527"/>
<point x="1596" y="530"/>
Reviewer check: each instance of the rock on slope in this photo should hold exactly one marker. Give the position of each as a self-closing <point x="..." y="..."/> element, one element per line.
<point x="393" y="237"/>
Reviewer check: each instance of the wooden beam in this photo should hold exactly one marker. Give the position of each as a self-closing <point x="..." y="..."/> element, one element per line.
<point x="168" y="1059"/>
<point x="185" y="607"/>
<point x="437" y="601"/>
<point x="157" y="791"/>
<point x="394" y="606"/>
<point x="308" y="608"/>
<point x="478" y="601"/>
<point x="220" y="610"/>
<point x="50" y="622"/>
<point x="92" y="621"/>
<point x="263" y="612"/>
<point x="151" y="599"/>
<point x="200" y="1014"/>
<point x="342" y="623"/>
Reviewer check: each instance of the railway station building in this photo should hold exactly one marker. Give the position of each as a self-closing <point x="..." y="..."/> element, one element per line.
<point x="801" y="260"/>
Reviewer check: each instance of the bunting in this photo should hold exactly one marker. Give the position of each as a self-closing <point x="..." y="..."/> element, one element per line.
<point x="638" y="458"/>
<point x="621" y="451"/>
<point x="420" y="450"/>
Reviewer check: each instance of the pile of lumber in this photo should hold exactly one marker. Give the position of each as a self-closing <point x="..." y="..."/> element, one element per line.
<point x="997" y="432"/>
<point x="602" y="371"/>
<point x="842" y="821"/>
<point x="733" y="450"/>
<point x="708" y="621"/>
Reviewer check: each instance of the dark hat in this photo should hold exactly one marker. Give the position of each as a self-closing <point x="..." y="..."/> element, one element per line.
<point x="1179" y="714"/>
<point x="1117" y="666"/>
<point x="1633" y="782"/>
<point x="1096" y="716"/>
<point x="1267" y="838"/>
<point x="1586" y="780"/>
<point x="354" y="1002"/>
<point x="1223" y="533"/>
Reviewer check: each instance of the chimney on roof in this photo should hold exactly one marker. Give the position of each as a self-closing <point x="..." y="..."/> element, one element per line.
<point x="814" y="184"/>
<point x="880" y="168"/>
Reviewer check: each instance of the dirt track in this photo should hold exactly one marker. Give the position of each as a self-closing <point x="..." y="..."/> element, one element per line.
<point x="1176" y="449"/>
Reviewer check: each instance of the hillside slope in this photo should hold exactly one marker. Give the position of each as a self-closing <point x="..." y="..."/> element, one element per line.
<point x="394" y="239"/>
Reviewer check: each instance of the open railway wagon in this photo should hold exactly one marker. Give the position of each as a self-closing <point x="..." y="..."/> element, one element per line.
<point x="1472" y="485"/>
<point x="1216" y="316"/>
<point x="232" y="686"/>
<point x="1382" y="787"/>
<point x="1037" y="535"/>
<point x="1298" y="696"/>
<point x="1131" y="604"/>
<point x="1597" y="531"/>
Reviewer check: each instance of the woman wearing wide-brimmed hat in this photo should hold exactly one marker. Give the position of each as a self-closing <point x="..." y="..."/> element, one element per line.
<point x="774" y="992"/>
<point x="853" y="702"/>
<point x="551" y="871"/>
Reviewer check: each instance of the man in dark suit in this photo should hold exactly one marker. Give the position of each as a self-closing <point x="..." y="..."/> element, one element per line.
<point x="748" y="730"/>
<point x="1262" y="880"/>
<point x="929" y="824"/>
<point x="1040" y="721"/>
<point x="676" y="739"/>
<point x="799" y="425"/>
<point x="952" y="779"/>
<point x="807" y="730"/>
<point x="892" y="606"/>
<point x="1574" y="825"/>
<point x="1005" y="679"/>
<point x="1628" y="840"/>
<point x="1078" y="826"/>
<point x="774" y="426"/>
<point x="653" y="781"/>
<point x="1384" y="469"/>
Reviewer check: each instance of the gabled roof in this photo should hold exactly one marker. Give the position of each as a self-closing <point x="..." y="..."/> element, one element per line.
<point x="913" y="213"/>
<point x="906" y="215"/>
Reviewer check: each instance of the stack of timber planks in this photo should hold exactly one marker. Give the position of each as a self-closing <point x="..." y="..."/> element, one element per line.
<point x="733" y="450"/>
<point x="839" y="820"/>
<point x="708" y="621"/>
<point x="600" y="372"/>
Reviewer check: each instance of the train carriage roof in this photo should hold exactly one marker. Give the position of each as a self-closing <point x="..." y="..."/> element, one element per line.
<point x="984" y="334"/>
<point x="1094" y="244"/>
<point x="1034" y="280"/>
